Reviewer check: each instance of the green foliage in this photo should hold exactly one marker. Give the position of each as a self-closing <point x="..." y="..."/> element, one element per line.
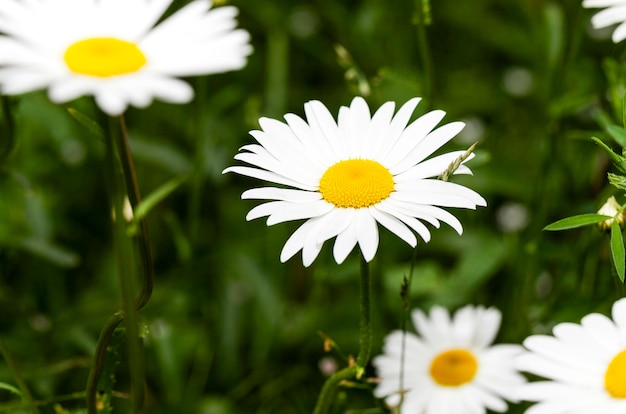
<point x="577" y="221"/>
<point x="233" y="330"/>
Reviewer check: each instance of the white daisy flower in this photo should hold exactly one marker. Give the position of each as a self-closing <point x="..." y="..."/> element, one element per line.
<point x="344" y="177"/>
<point x="111" y="49"/>
<point x="614" y="13"/>
<point x="451" y="367"/>
<point x="585" y="365"/>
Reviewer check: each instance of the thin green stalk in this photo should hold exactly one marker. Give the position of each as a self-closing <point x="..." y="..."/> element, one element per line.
<point x="101" y="350"/>
<point x="329" y="390"/>
<point x="134" y="196"/>
<point x="423" y="19"/>
<point x="365" y="340"/>
<point x="356" y="370"/>
<point x="26" y="395"/>
<point x="405" y="293"/>
<point x="124" y="252"/>
<point x="122" y="183"/>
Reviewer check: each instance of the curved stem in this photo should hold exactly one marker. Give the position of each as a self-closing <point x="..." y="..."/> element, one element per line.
<point x="356" y="370"/>
<point x="122" y="182"/>
<point x="101" y="349"/>
<point x="329" y="390"/>
<point x="124" y="252"/>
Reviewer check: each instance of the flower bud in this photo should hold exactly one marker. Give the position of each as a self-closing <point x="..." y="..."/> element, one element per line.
<point x="614" y="209"/>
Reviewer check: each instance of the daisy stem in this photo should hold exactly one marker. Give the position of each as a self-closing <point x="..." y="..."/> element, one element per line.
<point x="355" y="369"/>
<point x="422" y="20"/>
<point x="365" y="341"/>
<point x="134" y="196"/>
<point x="26" y="395"/>
<point x="121" y="173"/>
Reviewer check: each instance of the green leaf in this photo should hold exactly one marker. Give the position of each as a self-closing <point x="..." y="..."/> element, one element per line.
<point x="618" y="134"/>
<point x="10" y="388"/>
<point x="618" y="160"/>
<point x="576" y="221"/>
<point x="148" y="203"/>
<point x="617" y="250"/>
<point x="46" y="249"/>
<point x="91" y="125"/>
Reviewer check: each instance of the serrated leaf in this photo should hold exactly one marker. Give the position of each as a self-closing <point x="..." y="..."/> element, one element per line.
<point x="617" y="250"/>
<point x="618" y="134"/>
<point x="576" y="221"/>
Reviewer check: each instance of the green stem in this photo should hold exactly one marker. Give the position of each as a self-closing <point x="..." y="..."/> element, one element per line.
<point x="122" y="183"/>
<point x="365" y="340"/>
<point x="406" y="299"/>
<point x="101" y="350"/>
<point x="124" y="253"/>
<point x="423" y="18"/>
<point x="26" y="395"/>
<point x="134" y="196"/>
<point x="356" y="370"/>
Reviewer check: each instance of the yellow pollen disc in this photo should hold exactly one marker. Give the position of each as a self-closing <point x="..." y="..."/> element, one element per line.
<point x="104" y="57"/>
<point x="615" y="376"/>
<point x="356" y="183"/>
<point x="453" y="367"/>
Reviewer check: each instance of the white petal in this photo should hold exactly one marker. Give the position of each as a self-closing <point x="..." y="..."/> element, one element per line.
<point x="366" y="233"/>
<point x="394" y="225"/>
<point x="284" y="194"/>
<point x="395" y="129"/>
<point x="411" y="138"/>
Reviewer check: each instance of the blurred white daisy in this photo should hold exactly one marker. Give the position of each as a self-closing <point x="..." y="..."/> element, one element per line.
<point x="585" y="365"/>
<point x="451" y="367"/>
<point x="344" y="177"/>
<point x="613" y="14"/>
<point x="113" y="50"/>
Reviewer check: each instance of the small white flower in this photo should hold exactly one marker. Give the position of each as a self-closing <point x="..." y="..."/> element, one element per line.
<point x="349" y="175"/>
<point x="585" y="366"/>
<point x="111" y="49"/>
<point x="451" y="368"/>
<point x="615" y="13"/>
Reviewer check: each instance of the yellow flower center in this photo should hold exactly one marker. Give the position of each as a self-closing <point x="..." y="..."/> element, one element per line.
<point x="453" y="367"/>
<point x="104" y="57"/>
<point x="615" y="376"/>
<point x="356" y="183"/>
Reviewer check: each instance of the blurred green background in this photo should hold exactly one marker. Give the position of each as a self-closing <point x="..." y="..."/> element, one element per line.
<point x="229" y="328"/>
